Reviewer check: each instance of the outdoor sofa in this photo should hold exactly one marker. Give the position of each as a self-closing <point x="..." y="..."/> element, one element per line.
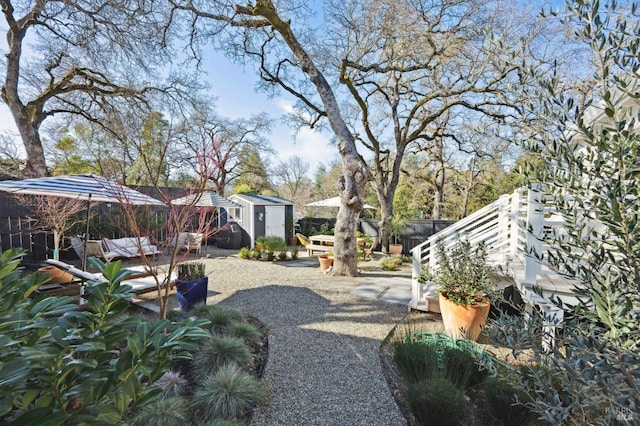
<point x="109" y="249"/>
<point x="129" y="246"/>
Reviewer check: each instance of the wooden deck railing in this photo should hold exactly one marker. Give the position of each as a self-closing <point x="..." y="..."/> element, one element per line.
<point x="512" y="230"/>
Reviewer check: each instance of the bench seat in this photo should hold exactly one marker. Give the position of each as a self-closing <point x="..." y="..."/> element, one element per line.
<point x="311" y="248"/>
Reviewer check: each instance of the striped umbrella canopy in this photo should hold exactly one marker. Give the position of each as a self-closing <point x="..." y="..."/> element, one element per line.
<point x="205" y="199"/>
<point x="88" y="187"/>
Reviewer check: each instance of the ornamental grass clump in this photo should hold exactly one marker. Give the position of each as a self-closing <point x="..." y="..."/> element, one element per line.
<point x="221" y="318"/>
<point x="227" y="394"/>
<point x="415" y="361"/>
<point x="172" y="411"/>
<point x="418" y="361"/>
<point x="246" y="332"/>
<point x="506" y="402"/>
<point x="190" y="271"/>
<point x="172" y="383"/>
<point x="219" y="351"/>
<point x="437" y="401"/>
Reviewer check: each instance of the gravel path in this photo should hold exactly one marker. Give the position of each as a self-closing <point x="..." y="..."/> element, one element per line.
<point x="324" y="366"/>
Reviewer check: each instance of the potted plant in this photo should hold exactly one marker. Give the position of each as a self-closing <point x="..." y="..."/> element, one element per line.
<point x="464" y="281"/>
<point x="191" y="285"/>
<point x="326" y="261"/>
<point x="396" y="226"/>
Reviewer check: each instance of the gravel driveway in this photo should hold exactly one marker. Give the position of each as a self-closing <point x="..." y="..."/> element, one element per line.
<point x="324" y="366"/>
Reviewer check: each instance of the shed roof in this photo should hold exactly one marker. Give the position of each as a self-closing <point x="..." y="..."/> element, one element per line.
<point x="261" y="200"/>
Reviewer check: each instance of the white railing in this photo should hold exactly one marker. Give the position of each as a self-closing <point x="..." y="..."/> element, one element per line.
<point x="511" y="228"/>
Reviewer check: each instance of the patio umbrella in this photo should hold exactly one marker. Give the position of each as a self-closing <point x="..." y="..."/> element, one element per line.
<point x="206" y="199"/>
<point x="89" y="187"/>
<point x="333" y="202"/>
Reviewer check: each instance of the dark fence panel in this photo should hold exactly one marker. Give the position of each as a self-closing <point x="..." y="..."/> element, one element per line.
<point x="15" y="230"/>
<point x="415" y="231"/>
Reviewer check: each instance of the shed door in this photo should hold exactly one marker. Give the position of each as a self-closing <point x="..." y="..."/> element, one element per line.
<point x="274" y="221"/>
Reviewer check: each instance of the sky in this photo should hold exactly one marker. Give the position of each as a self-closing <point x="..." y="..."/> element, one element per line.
<point x="234" y="88"/>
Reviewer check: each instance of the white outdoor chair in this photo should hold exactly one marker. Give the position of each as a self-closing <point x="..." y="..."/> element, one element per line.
<point x="189" y="241"/>
<point x="94" y="249"/>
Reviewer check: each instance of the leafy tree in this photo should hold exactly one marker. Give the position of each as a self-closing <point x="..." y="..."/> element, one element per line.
<point x="252" y="172"/>
<point x="67" y="157"/>
<point x="592" y="376"/>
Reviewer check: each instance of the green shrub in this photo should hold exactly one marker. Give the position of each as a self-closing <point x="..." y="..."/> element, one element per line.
<point x="294" y="253"/>
<point x="271" y="243"/>
<point x="419" y="361"/>
<point x="388" y="263"/>
<point x="254" y="254"/>
<point x="167" y="412"/>
<point x="244" y="253"/>
<point x="326" y="229"/>
<point x="71" y="352"/>
<point x="438" y="402"/>
<point x="460" y="368"/>
<point x="219" y="351"/>
<point x="501" y="399"/>
<point x="226" y="394"/>
<point x="282" y="255"/>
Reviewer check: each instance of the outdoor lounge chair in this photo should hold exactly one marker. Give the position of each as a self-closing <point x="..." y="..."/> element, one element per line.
<point x="188" y="241"/>
<point x="140" y="281"/>
<point x="368" y="251"/>
<point x="304" y="240"/>
<point x="94" y="249"/>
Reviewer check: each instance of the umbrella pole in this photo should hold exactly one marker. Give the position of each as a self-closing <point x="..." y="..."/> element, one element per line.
<point x="86" y="237"/>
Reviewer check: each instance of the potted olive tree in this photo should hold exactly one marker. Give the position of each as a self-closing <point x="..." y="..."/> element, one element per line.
<point x="464" y="281"/>
<point x="396" y="226"/>
<point x="191" y="285"/>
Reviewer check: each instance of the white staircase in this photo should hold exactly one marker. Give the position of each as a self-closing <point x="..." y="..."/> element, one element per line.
<point x="512" y="229"/>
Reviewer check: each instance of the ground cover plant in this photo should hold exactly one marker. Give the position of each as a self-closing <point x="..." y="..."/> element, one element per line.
<point x="447" y="382"/>
<point x="220" y="385"/>
<point x="106" y="364"/>
<point x="269" y="248"/>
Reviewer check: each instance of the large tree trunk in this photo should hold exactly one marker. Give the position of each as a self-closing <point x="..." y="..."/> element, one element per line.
<point x="36" y="165"/>
<point x="355" y="174"/>
<point x="438" y="198"/>
<point x="27" y="117"/>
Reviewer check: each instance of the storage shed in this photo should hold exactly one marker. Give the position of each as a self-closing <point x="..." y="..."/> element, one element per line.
<point x="262" y="215"/>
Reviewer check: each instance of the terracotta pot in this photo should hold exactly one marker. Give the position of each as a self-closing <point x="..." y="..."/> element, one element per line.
<point x="293" y="241"/>
<point x="56" y="275"/>
<point x="463" y="322"/>
<point x="395" y="248"/>
<point x="325" y="262"/>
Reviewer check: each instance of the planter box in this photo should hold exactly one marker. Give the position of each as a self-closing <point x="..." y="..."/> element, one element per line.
<point x="190" y="293"/>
